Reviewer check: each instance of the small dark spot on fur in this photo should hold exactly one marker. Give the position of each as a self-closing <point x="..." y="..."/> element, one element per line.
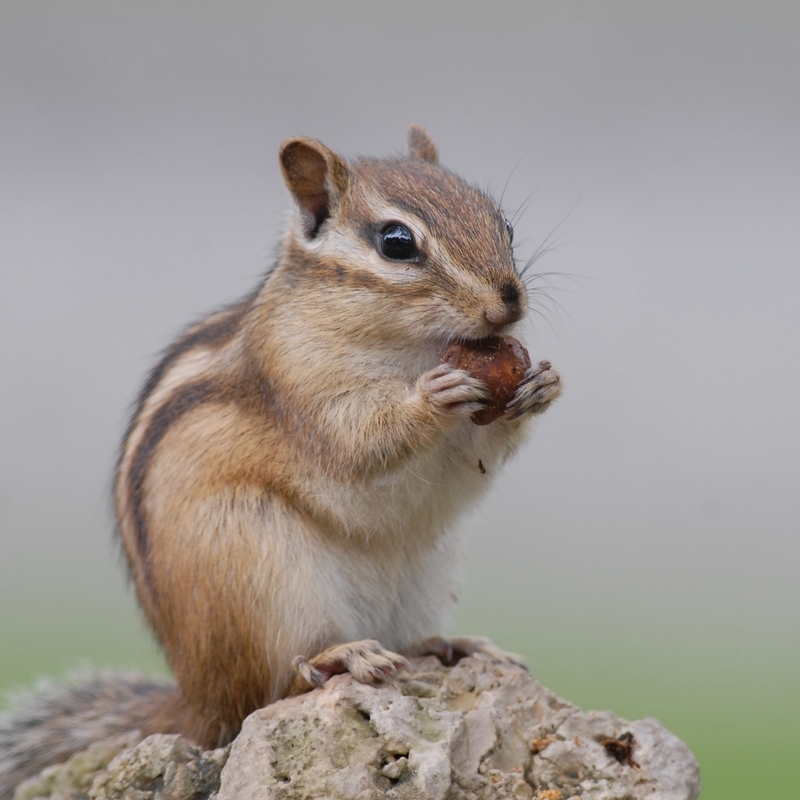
<point x="481" y="467"/>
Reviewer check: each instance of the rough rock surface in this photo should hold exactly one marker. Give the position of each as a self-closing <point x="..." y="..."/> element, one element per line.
<point x="482" y="729"/>
<point x="159" y="767"/>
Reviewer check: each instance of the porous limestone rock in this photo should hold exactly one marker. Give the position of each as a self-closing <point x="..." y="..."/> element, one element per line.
<point x="482" y="730"/>
<point x="160" y="767"/>
<point x="73" y="779"/>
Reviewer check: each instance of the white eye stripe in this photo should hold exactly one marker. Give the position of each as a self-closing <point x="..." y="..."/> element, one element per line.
<point x="385" y="213"/>
<point x="348" y="243"/>
<point x="348" y="247"/>
<point x="426" y="244"/>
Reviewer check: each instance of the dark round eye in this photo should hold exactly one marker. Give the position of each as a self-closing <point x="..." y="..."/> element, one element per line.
<point x="510" y="229"/>
<point x="397" y="243"/>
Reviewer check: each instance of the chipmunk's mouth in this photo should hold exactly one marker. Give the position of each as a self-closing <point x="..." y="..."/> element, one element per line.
<point x="479" y="342"/>
<point x="477" y="336"/>
<point x="502" y="332"/>
<point x="487" y="345"/>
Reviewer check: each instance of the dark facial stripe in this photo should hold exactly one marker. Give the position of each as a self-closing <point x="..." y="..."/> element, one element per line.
<point x="183" y="401"/>
<point x="314" y="266"/>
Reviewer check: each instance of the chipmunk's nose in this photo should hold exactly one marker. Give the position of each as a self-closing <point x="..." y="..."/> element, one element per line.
<point x="509" y="309"/>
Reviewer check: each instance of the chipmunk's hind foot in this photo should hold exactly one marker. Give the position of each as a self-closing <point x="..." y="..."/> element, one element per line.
<point x="451" y="651"/>
<point x="367" y="661"/>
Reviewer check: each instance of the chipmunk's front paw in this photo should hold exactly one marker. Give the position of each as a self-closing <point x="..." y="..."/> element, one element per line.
<point x="451" y="651"/>
<point x="539" y="387"/>
<point x="452" y="391"/>
<point x="367" y="661"/>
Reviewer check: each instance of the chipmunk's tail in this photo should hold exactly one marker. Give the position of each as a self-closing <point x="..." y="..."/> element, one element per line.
<point x="54" y="721"/>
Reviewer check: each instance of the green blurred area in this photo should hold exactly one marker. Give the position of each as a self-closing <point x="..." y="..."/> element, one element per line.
<point x="734" y="701"/>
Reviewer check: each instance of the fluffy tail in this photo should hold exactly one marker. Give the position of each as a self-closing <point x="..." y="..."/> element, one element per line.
<point x="55" y="721"/>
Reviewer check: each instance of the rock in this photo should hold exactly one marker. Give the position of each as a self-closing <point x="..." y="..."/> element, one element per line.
<point x="160" y="767"/>
<point x="73" y="779"/>
<point x="484" y="729"/>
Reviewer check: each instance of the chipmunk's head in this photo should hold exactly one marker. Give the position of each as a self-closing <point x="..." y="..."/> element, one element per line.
<point x="414" y="249"/>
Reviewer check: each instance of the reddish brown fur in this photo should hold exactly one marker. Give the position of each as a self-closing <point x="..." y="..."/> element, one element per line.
<point x="227" y="433"/>
<point x="287" y="486"/>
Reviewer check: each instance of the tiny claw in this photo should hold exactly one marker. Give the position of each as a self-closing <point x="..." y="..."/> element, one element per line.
<point x="437" y="646"/>
<point x="309" y="673"/>
<point x="539" y="387"/>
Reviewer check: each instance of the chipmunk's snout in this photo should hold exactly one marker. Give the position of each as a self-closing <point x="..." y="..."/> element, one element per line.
<point x="510" y="294"/>
<point x="510" y="307"/>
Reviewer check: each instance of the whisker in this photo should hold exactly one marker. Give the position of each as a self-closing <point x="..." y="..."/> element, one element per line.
<point x="511" y="175"/>
<point x="545" y="246"/>
<point x="522" y="208"/>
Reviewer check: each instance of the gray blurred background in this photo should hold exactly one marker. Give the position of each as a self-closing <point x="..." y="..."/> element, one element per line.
<point x="643" y="550"/>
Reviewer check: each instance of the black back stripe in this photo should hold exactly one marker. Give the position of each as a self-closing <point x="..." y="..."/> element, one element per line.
<point x="183" y="401"/>
<point x="209" y="334"/>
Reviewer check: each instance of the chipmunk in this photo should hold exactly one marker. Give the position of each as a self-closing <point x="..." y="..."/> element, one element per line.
<point x="287" y="485"/>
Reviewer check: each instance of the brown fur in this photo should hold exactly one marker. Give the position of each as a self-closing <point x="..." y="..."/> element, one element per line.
<point x="286" y="488"/>
<point x="420" y="145"/>
<point x="244" y="435"/>
<point x="55" y="721"/>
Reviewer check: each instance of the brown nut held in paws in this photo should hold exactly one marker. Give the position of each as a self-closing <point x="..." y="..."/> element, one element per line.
<point x="500" y="362"/>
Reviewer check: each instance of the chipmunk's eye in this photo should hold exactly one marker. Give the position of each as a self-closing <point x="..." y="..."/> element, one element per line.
<point x="510" y="229"/>
<point x="397" y="243"/>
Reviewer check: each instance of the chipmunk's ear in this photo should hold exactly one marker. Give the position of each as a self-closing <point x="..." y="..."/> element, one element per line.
<point x="316" y="177"/>
<point x="421" y="146"/>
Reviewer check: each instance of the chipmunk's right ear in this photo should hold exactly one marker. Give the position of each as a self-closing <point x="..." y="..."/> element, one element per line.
<point x="316" y="177"/>
<point x="420" y="145"/>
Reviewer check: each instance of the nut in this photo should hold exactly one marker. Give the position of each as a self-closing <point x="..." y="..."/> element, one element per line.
<point x="500" y="362"/>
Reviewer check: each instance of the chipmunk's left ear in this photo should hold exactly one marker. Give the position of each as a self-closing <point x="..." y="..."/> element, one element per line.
<point x="421" y="146"/>
<point x="317" y="179"/>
